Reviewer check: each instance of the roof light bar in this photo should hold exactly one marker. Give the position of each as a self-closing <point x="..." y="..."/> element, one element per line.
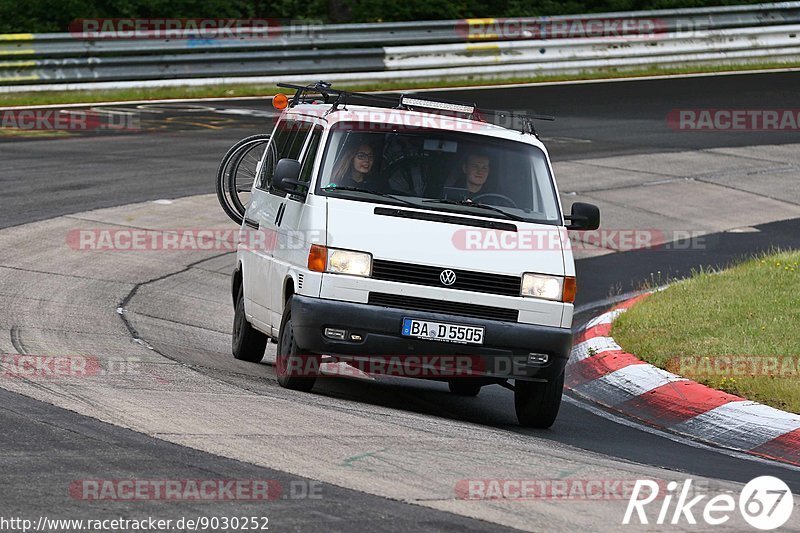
<point x="430" y="104"/>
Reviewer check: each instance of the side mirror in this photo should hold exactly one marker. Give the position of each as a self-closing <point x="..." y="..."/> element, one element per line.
<point x="584" y="217"/>
<point x="285" y="177"/>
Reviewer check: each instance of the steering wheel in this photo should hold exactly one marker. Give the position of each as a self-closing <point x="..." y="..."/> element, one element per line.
<point x="508" y="202"/>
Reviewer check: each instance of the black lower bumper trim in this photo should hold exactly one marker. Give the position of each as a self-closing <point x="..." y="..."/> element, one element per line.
<point x="503" y="354"/>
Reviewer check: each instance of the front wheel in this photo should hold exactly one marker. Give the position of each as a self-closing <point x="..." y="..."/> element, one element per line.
<point x="295" y="371"/>
<point x="537" y="403"/>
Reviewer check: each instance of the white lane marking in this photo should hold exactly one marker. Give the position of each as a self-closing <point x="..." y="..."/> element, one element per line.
<point x="137" y="102"/>
<point x="638" y="379"/>
<point x="626" y="383"/>
<point x="744" y="424"/>
<point x="163" y="202"/>
<point x="113" y="110"/>
<point x="623" y="421"/>
<point x="746" y="229"/>
<point x="184" y="107"/>
<point x="565" y="140"/>
<point x="605" y="318"/>
<point x="248" y="112"/>
<point x="593" y="346"/>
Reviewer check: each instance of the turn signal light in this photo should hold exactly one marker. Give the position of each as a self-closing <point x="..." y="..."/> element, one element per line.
<point x="280" y="101"/>
<point x="317" y="258"/>
<point x="570" y="289"/>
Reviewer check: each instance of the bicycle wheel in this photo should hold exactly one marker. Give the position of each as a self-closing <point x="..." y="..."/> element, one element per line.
<point x="244" y="171"/>
<point x="236" y="174"/>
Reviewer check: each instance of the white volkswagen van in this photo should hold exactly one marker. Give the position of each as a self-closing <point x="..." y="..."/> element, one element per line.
<point x="408" y="236"/>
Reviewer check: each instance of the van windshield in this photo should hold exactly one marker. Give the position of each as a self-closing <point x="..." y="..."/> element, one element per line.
<point x="438" y="169"/>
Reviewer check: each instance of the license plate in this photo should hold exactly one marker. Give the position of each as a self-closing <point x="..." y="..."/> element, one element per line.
<point x="439" y="331"/>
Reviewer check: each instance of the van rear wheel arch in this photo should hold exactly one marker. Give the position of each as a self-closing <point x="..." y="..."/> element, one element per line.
<point x="236" y="282"/>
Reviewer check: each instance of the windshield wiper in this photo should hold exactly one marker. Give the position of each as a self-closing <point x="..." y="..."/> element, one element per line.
<point x="467" y="203"/>
<point x="330" y="188"/>
<point x="470" y="203"/>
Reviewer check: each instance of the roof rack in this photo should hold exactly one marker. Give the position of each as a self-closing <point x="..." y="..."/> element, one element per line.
<point x="336" y="98"/>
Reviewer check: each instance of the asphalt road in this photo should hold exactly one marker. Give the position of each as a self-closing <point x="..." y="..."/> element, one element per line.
<point x="46" y="449"/>
<point x="176" y="153"/>
<point x="172" y="150"/>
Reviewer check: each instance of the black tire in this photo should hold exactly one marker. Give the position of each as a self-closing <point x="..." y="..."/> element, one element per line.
<point x="537" y="403"/>
<point x="242" y="170"/>
<point x="227" y="196"/>
<point x="464" y="386"/>
<point x="295" y="371"/>
<point x="248" y="344"/>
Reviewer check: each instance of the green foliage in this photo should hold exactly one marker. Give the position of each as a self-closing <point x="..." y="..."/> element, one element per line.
<point x="747" y="313"/>
<point x="39" y="16"/>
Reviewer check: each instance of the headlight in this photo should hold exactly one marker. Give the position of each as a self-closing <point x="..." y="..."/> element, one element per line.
<point x="346" y="262"/>
<point x="541" y="286"/>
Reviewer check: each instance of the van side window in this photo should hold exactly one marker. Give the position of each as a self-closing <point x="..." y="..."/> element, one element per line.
<point x="295" y="146"/>
<point x="311" y="155"/>
<point x="276" y="144"/>
<point x="287" y="142"/>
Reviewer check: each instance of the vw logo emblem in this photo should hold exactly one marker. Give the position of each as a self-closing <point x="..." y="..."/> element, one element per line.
<point x="447" y="277"/>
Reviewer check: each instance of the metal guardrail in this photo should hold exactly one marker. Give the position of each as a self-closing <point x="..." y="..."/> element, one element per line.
<point x="409" y="50"/>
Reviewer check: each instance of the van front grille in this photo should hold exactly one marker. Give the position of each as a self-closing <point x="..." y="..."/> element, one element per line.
<point x="442" y="306"/>
<point x="466" y="280"/>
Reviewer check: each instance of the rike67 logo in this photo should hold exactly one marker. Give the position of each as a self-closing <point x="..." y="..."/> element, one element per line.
<point x="766" y="503"/>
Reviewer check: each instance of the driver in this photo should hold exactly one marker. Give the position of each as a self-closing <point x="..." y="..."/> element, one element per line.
<point x="476" y="172"/>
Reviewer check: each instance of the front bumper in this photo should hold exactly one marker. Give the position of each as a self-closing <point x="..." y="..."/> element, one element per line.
<point x="504" y="353"/>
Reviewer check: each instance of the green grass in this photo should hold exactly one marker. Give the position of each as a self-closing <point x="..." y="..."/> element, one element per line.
<point x="737" y="330"/>
<point x="235" y="90"/>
